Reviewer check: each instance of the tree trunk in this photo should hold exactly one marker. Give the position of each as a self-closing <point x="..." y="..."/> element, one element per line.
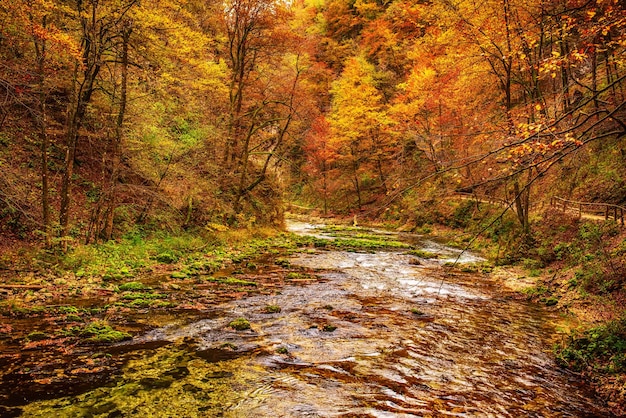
<point x="522" y="206"/>
<point x="40" y="51"/>
<point x="119" y="132"/>
<point x="75" y="122"/>
<point x="92" y="51"/>
<point x="355" y="180"/>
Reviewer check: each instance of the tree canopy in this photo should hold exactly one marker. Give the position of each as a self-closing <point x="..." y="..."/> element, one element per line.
<point x="177" y="114"/>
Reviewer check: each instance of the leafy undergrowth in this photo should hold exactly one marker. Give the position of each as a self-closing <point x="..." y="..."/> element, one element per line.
<point x="599" y="353"/>
<point x="601" y="348"/>
<point x="580" y="270"/>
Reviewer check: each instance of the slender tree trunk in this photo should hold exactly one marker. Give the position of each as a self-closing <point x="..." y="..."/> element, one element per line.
<point x="522" y="203"/>
<point x="564" y="75"/>
<point x="92" y="51"/>
<point x="76" y="119"/>
<point x="40" y="51"/>
<point x="119" y="132"/>
<point x="381" y="174"/>
<point x="594" y="81"/>
<point x="355" y="180"/>
<point x="325" y="186"/>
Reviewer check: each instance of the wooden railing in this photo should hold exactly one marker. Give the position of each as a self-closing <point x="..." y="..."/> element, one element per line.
<point x="483" y="198"/>
<point x="607" y="210"/>
<point x="493" y="200"/>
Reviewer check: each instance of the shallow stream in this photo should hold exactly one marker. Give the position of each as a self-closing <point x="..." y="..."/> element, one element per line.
<point x="378" y="335"/>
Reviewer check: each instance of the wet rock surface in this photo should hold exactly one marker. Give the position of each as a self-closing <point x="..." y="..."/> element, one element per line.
<point x="376" y="336"/>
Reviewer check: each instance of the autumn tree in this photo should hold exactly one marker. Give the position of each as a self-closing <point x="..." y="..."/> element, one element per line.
<point x="359" y="128"/>
<point x="264" y="87"/>
<point x="101" y="29"/>
<point x="320" y="160"/>
<point x="27" y="74"/>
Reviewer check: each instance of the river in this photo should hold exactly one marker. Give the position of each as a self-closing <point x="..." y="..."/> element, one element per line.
<point x="378" y="335"/>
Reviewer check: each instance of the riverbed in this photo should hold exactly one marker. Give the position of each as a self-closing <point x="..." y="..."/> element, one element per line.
<point x="377" y="334"/>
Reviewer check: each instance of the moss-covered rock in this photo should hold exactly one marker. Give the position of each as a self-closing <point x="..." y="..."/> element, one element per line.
<point x="100" y="332"/>
<point x="239" y="324"/>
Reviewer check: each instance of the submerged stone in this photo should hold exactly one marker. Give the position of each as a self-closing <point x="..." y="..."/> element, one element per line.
<point x="177" y="373"/>
<point x="103" y="407"/>
<point x="214" y="355"/>
<point x="162" y="382"/>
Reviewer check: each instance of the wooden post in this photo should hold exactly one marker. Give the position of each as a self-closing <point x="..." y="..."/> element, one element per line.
<point x="606" y="213"/>
<point x="580" y="211"/>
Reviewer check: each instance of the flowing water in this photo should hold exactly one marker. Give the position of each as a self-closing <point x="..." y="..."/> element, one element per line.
<point x="376" y="336"/>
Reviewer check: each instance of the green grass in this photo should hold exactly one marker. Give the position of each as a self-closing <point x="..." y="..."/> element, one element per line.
<point x="124" y="258"/>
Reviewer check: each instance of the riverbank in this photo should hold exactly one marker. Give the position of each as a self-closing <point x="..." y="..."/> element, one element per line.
<point x="575" y="268"/>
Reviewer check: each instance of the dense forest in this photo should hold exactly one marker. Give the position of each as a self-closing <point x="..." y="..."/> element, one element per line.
<point x="120" y="117"/>
<point x="178" y="114"/>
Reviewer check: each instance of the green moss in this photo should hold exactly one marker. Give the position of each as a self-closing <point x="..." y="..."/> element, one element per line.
<point x="100" y="332"/>
<point x="133" y="286"/>
<point x="282" y="262"/>
<point x="329" y="328"/>
<point x="228" y="346"/>
<point x="147" y="296"/>
<point x="232" y="281"/>
<point x="297" y="276"/>
<point x="423" y="254"/>
<point x="68" y="309"/>
<point x="367" y="244"/>
<point x="536" y="291"/>
<point x="37" y="336"/>
<point x="272" y="309"/>
<point x="417" y="312"/>
<point x="282" y="350"/>
<point x="167" y="258"/>
<point x="239" y="324"/>
<point x="165" y="382"/>
<point x="179" y="275"/>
